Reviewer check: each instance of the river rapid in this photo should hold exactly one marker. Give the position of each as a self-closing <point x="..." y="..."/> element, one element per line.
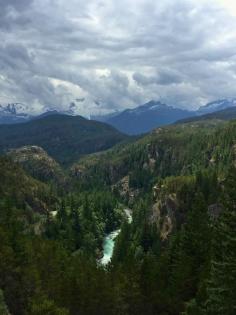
<point x="109" y="241"/>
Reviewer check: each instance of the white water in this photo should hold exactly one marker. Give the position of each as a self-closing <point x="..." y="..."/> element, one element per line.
<point x="109" y="241"/>
<point x="108" y="247"/>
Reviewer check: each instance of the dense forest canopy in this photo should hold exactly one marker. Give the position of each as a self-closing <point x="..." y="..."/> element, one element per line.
<point x="178" y="254"/>
<point x="66" y="138"/>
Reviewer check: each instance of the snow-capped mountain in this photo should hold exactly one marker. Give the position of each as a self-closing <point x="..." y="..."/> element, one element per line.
<point x="138" y="120"/>
<point x="13" y="113"/>
<point x="146" y="117"/>
<point x="150" y="106"/>
<point x="217" y="106"/>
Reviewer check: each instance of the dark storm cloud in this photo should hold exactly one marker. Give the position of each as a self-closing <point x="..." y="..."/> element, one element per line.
<point x="18" y="4"/>
<point x="9" y="8"/>
<point x="11" y="13"/>
<point x="163" y="77"/>
<point x="115" y="54"/>
<point x="14" y="57"/>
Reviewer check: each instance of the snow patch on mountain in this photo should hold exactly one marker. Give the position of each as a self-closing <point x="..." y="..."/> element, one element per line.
<point x="14" y="113"/>
<point x="217" y="106"/>
<point x="14" y="109"/>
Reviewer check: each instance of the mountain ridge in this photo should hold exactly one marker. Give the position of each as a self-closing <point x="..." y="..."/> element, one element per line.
<point x="224" y="114"/>
<point x="146" y="117"/>
<point x="65" y="138"/>
<point x="217" y="105"/>
<point x="134" y="121"/>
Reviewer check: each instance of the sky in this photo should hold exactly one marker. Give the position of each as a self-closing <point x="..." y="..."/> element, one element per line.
<point x="100" y="56"/>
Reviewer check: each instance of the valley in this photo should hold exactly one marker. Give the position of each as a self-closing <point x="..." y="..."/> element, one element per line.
<point x="118" y="157"/>
<point x="69" y="233"/>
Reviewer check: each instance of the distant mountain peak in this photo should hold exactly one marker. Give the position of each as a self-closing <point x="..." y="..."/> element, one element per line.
<point x="153" y="104"/>
<point x="13" y="113"/>
<point x="14" y="109"/>
<point x="217" y="105"/>
<point x="47" y="113"/>
<point x="150" y="106"/>
<point x="146" y="117"/>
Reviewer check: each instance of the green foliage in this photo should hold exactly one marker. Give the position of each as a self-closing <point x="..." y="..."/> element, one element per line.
<point x="221" y="286"/>
<point x="48" y="260"/>
<point x="171" y="151"/>
<point x="3" y="307"/>
<point x="43" y="306"/>
<point x="65" y="138"/>
<point x="83" y="219"/>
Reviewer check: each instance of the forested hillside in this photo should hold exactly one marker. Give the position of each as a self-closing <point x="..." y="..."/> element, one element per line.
<point x="170" y="151"/>
<point x="65" y="138"/>
<point x="178" y="254"/>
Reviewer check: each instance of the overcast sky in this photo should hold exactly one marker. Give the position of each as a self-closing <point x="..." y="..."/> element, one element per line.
<point x="107" y="55"/>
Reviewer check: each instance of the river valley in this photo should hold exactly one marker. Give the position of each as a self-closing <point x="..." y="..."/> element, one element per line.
<point x="109" y="241"/>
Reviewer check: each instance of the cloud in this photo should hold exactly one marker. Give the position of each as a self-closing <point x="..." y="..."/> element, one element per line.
<point x="162" y="77"/>
<point x="14" y="13"/>
<point x="115" y="54"/>
<point x="7" y="5"/>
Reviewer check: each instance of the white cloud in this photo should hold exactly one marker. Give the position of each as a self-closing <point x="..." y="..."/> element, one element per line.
<point x="116" y="54"/>
<point x="229" y="5"/>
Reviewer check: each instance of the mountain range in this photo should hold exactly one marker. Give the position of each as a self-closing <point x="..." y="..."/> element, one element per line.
<point x="144" y="118"/>
<point x="217" y="106"/>
<point x="59" y="213"/>
<point x="139" y="120"/>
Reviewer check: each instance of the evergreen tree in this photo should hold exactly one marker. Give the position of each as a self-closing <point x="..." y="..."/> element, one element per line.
<point x="221" y="288"/>
<point x="189" y="255"/>
<point x="3" y="306"/>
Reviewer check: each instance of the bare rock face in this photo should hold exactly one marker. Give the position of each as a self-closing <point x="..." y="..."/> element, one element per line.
<point x="123" y="186"/>
<point x="125" y="191"/>
<point x="77" y="171"/>
<point x="167" y="228"/>
<point x="23" y="152"/>
<point x="37" y="162"/>
<point x="164" y="212"/>
<point x="152" y="157"/>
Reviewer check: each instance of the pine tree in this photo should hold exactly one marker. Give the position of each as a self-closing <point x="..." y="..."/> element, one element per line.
<point x="76" y="227"/>
<point x="3" y="306"/>
<point x="221" y="289"/>
<point x="189" y="254"/>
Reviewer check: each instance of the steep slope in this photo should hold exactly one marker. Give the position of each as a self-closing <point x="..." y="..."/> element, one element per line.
<point x="20" y="189"/>
<point x="225" y="114"/>
<point x="65" y="138"/>
<point x="104" y="118"/>
<point x="38" y="163"/>
<point x="168" y="151"/>
<point x="147" y="117"/>
<point x="216" y="106"/>
<point x="178" y="180"/>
